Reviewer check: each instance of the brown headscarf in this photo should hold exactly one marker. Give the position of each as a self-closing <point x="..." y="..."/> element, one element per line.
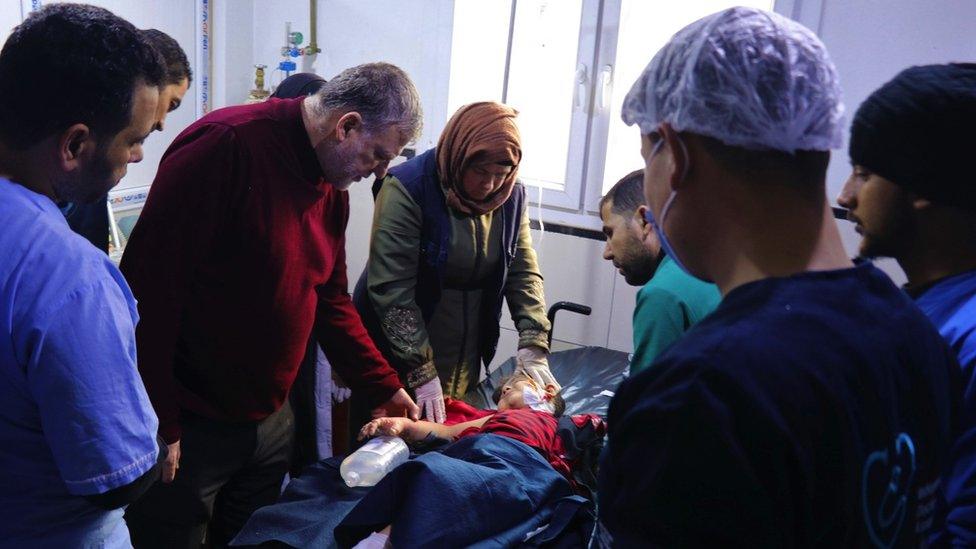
<point x="478" y="133"/>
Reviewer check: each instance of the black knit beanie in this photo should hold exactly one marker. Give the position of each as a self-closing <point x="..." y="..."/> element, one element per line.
<point x="919" y="132"/>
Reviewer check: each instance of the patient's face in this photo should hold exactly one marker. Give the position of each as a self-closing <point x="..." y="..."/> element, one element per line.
<point x="511" y="397"/>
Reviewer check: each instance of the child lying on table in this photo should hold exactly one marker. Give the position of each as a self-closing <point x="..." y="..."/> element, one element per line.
<point x="537" y="466"/>
<point x="525" y="413"/>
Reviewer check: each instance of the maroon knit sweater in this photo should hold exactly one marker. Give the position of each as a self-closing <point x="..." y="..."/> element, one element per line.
<point x="237" y="258"/>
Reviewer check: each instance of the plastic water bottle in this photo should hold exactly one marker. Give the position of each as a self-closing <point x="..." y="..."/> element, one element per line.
<point x="367" y="465"/>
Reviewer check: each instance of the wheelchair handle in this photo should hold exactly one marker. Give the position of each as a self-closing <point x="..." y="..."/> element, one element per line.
<point x="565" y="306"/>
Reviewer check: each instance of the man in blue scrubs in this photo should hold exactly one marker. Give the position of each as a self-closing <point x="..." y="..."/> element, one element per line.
<point x="913" y="198"/>
<point x="814" y="406"/>
<point x="78" y="95"/>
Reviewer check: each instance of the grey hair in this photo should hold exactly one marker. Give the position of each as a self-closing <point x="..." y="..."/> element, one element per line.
<point x="380" y="92"/>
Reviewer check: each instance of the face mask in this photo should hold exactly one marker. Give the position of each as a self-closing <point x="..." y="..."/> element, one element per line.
<point x="534" y="400"/>
<point x="659" y="229"/>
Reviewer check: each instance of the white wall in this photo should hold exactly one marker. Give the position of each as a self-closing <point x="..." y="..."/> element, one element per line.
<point x="10" y="17"/>
<point x="233" y="51"/>
<point x="414" y="35"/>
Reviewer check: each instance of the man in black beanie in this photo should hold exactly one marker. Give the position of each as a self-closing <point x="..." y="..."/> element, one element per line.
<point x="912" y="194"/>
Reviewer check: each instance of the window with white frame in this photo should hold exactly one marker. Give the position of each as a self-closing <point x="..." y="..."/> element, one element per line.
<point x="566" y="66"/>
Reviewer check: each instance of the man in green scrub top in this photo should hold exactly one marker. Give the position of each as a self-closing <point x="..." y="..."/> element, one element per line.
<point x="670" y="301"/>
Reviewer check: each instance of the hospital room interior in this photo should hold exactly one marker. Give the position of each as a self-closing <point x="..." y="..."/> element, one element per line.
<point x="490" y="273"/>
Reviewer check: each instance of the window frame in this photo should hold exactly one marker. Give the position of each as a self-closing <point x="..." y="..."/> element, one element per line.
<point x="567" y="198"/>
<point x="577" y="204"/>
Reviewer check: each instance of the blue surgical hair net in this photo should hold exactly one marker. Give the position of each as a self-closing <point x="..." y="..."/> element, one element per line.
<point x="747" y="77"/>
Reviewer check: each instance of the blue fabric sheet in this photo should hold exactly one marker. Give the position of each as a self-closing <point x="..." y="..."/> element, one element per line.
<point x="307" y="512"/>
<point x="482" y="491"/>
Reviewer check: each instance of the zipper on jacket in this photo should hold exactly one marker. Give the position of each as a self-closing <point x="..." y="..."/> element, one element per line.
<point x="479" y="236"/>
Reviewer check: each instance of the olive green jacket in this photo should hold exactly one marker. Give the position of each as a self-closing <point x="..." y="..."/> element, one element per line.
<point x="446" y="345"/>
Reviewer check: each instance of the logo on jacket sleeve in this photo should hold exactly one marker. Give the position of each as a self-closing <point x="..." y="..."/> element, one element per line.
<point x="885" y="490"/>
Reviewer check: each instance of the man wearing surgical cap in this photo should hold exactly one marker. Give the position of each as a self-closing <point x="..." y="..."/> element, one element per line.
<point x="812" y="407"/>
<point x="911" y="194"/>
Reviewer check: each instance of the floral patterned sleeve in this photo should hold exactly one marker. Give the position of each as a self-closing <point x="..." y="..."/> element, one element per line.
<point x="394" y="253"/>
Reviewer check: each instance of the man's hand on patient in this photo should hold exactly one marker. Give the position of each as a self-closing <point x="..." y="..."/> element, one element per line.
<point x="389" y="426"/>
<point x="399" y="405"/>
<point x="415" y="431"/>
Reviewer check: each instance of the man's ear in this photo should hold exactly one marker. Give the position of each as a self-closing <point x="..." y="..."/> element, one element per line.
<point x="551" y="389"/>
<point x="348" y="123"/>
<point x="641" y="220"/>
<point x="74" y="146"/>
<point x="678" y="155"/>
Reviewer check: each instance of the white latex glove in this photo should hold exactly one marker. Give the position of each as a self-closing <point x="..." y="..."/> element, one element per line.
<point x="534" y="362"/>
<point x="337" y="389"/>
<point x="339" y="393"/>
<point x="430" y="398"/>
<point x="376" y="540"/>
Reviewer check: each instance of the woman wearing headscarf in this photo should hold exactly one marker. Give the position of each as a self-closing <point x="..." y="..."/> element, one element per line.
<point x="450" y="241"/>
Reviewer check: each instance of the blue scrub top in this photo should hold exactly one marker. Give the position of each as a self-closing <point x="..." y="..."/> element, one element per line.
<point x="810" y="410"/>
<point x="951" y="305"/>
<point x="75" y="419"/>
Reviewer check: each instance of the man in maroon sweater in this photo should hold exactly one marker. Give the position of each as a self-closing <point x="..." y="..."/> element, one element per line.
<point x="238" y="257"/>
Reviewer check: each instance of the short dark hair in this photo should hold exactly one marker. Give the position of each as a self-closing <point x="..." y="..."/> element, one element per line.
<point x="804" y="167"/>
<point x="299" y="84"/>
<point x="558" y="403"/>
<point x="177" y="66"/>
<point x="68" y="64"/>
<point x="626" y="195"/>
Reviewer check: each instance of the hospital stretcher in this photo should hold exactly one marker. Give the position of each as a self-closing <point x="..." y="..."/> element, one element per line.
<point x="588" y="375"/>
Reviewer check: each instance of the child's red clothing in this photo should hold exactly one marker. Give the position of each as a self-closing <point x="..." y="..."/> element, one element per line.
<point x="540" y="430"/>
<point x="458" y="411"/>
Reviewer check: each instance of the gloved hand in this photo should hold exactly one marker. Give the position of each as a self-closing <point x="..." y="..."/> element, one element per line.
<point x="339" y="393"/>
<point x="534" y="362"/>
<point x="430" y="398"/>
<point x="376" y="540"/>
<point x="337" y="388"/>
